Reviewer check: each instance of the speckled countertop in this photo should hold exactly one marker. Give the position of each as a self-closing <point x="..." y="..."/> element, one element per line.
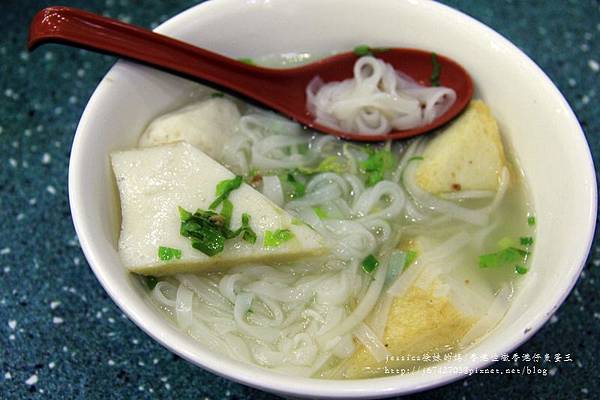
<point x="61" y="336"/>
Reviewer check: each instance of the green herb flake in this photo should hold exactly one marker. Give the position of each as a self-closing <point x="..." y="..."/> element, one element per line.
<point x="322" y="214"/>
<point x="224" y="188"/>
<point x="168" y="253"/>
<point x="276" y="238"/>
<point x="227" y="211"/>
<point x="216" y="95"/>
<point x="521" y="270"/>
<point x="411" y="256"/>
<point x="329" y="164"/>
<point x="247" y="60"/>
<point x="206" y="230"/>
<point x="362" y="50"/>
<point x="298" y="188"/>
<point x="526" y="241"/>
<point x="436" y="70"/>
<point x="246" y="231"/>
<point x="510" y="255"/>
<point x="376" y="165"/>
<point x="531" y="220"/>
<point x="150" y="281"/>
<point x="370" y="263"/>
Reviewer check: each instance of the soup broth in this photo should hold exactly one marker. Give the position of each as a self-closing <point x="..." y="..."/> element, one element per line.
<point x="387" y="238"/>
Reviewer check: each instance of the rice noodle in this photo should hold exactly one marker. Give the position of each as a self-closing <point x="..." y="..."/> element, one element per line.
<point x="298" y="317"/>
<point x="271" y="187"/>
<point x="376" y="101"/>
<point x="371" y="342"/>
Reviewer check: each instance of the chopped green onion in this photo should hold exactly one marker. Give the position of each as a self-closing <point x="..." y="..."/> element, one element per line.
<point x="510" y="255"/>
<point x="362" y="50"/>
<point x="168" y="253"/>
<point x="208" y="230"/>
<point x="246" y="60"/>
<point x="526" y="241"/>
<point x="411" y="256"/>
<point x="299" y="189"/>
<point x="329" y="164"/>
<point x="247" y="233"/>
<point x="370" y="263"/>
<point x="531" y="220"/>
<point x="276" y="238"/>
<point x="521" y="270"/>
<point x="436" y="70"/>
<point x="224" y="188"/>
<point x="150" y="281"/>
<point x="376" y="165"/>
<point x="322" y="214"/>
<point x="415" y="158"/>
<point x="215" y="95"/>
<point x="227" y="211"/>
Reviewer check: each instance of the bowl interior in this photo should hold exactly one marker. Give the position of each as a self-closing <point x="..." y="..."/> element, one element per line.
<point x="535" y="121"/>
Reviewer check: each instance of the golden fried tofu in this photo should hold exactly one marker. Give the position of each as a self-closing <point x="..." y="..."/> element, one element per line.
<point x="418" y="323"/>
<point x="466" y="155"/>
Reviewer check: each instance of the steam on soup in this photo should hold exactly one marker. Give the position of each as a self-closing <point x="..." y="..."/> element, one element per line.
<point x="314" y="256"/>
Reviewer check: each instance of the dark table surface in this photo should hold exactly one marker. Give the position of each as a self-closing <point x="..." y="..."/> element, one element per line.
<point x="61" y="336"/>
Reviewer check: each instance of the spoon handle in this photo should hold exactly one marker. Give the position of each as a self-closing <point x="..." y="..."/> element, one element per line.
<point x="83" y="29"/>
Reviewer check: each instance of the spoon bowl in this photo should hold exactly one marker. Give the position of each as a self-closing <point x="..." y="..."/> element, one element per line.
<point x="283" y="90"/>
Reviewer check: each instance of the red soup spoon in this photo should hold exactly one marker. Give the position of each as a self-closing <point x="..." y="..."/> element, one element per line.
<point x="283" y="90"/>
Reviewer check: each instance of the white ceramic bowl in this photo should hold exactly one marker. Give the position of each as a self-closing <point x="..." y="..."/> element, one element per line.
<point x="535" y="120"/>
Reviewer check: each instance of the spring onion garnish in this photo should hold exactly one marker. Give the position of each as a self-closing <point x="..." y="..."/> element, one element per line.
<point x="329" y="164"/>
<point x="150" y="281"/>
<point x="168" y="253"/>
<point x="370" y="263"/>
<point x="526" y="241"/>
<point x="246" y="60"/>
<point x="411" y="256"/>
<point x="247" y="233"/>
<point x="521" y="270"/>
<point x="510" y="255"/>
<point x="227" y="211"/>
<point x="217" y="95"/>
<point x="376" y="165"/>
<point x="208" y="230"/>
<point x="298" y="188"/>
<point x="276" y="238"/>
<point x="224" y="188"/>
<point x="436" y="70"/>
<point x="531" y="220"/>
<point x="322" y="214"/>
<point x="362" y="50"/>
<point x="205" y="229"/>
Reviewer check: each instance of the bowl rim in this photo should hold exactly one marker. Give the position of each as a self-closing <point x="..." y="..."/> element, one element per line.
<point x="310" y="387"/>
